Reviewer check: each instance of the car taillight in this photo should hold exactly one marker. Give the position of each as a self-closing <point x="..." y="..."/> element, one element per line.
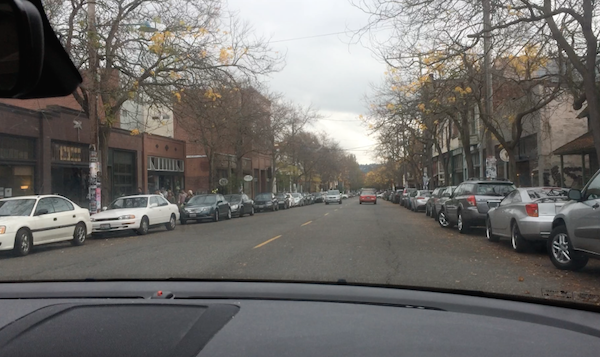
<point x="532" y="209"/>
<point x="420" y="198"/>
<point x="472" y="201"/>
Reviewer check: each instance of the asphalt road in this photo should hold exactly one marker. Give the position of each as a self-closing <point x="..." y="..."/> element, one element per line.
<point x="373" y="244"/>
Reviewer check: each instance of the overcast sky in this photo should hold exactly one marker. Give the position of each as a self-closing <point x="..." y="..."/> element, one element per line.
<point x="323" y="71"/>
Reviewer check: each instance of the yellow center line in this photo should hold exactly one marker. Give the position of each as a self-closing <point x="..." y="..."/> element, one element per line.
<point x="269" y="241"/>
<point x="326" y="213"/>
<point x="307" y="223"/>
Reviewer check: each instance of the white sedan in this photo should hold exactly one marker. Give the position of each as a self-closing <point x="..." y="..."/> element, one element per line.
<point x="139" y="213"/>
<point x="26" y="221"/>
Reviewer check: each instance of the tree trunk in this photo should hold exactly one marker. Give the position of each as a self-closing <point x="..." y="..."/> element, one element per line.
<point x="512" y="166"/>
<point x="211" y="171"/>
<point x="105" y="183"/>
<point x="465" y="140"/>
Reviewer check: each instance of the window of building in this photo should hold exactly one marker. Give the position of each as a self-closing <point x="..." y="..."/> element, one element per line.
<point x="17" y="148"/>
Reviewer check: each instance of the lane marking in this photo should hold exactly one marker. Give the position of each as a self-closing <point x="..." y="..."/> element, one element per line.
<point x="267" y="242"/>
<point x="326" y="213"/>
<point x="335" y="209"/>
<point x="307" y="223"/>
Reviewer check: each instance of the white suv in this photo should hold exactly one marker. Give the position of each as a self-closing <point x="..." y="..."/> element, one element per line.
<point x="333" y="196"/>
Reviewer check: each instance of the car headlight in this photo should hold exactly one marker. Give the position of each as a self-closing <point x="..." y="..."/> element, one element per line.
<point x="2" y="229"/>
<point x="127" y="216"/>
<point x="234" y="206"/>
<point x="204" y="209"/>
<point x="92" y="219"/>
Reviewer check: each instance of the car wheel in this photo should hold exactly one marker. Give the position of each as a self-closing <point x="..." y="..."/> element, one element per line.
<point x="172" y="223"/>
<point x="252" y="211"/>
<point x="518" y="243"/>
<point x="144" y="225"/>
<point x="23" y="242"/>
<point x="229" y="213"/>
<point x="443" y="219"/>
<point x="463" y="227"/>
<point x="360" y="202"/>
<point x="79" y="234"/>
<point x="561" y="251"/>
<point x="489" y="234"/>
<point x="216" y="218"/>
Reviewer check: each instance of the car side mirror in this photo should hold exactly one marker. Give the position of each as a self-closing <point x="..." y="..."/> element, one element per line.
<point x="152" y="205"/>
<point x="219" y="202"/>
<point x="104" y="208"/>
<point x="41" y="212"/>
<point x="575" y="194"/>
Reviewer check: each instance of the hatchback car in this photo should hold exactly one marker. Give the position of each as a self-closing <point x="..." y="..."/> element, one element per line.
<point x="419" y="200"/>
<point x="575" y="232"/>
<point x="525" y="215"/>
<point x="203" y="207"/>
<point x="139" y="213"/>
<point x="27" y="221"/>
<point x="240" y="204"/>
<point x="468" y="206"/>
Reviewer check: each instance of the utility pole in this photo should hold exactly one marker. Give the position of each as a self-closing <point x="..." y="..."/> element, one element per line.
<point x="95" y="166"/>
<point x="489" y="102"/>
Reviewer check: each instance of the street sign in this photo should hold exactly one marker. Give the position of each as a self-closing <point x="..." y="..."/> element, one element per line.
<point x="223" y="181"/>
<point x="504" y="155"/>
<point x="248" y="178"/>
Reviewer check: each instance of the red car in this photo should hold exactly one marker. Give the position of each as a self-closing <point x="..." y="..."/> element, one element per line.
<point x="367" y="195"/>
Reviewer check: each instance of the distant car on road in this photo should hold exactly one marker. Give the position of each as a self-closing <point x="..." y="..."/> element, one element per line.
<point x="419" y="200"/>
<point x="333" y="196"/>
<point x="525" y="215"/>
<point x="297" y="200"/>
<point x="240" y="204"/>
<point x="367" y="195"/>
<point x="319" y="197"/>
<point x="28" y="221"/>
<point x="266" y="202"/>
<point x="283" y="200"/>
<point x="468" y="205"/>
<point x="576" y="228"/>
<point x="403" y="196"/>
<point x="344" y="196"/>
<point x="203" y="207"/>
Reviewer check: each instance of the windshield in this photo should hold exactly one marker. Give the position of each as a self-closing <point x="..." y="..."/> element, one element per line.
<point x="203" y="200"/>
<point x="16" y="207"/>
<point x="233" y="198"/>
<point x="186" y="103"/>
<point x="129" y="202"/>
<point x="493" y="189"/>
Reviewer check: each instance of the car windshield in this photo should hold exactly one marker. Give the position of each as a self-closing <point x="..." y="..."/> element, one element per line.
<point x="233" y="198"/>
<point x="187" y="105"/>
<point x="494" y="189"/>
<point x="16" y="207"/>
<point x="203" y="200"/>
<point x="129" y="202"/>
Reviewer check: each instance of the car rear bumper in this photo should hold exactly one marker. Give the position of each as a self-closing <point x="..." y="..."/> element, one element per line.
<point x="472" y="217"/>
<point x="534" y="228"/>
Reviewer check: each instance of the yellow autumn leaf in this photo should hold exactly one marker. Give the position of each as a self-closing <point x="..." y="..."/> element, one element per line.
<point x="134" y="132"/>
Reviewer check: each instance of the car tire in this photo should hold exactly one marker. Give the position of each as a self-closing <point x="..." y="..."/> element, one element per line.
<point x="172" y="222"/>
<point x="561" y="251"/>
<point x="23" y="242"/>
<point x="426" y="211"/>
<point x="489" y="233"/>
<point x="443" y="220"/>
<point x="216" y="217"/>
<point x="517" y="242"/>
<point x="144" y="226"/>
<point x="228" y="214"/>
<point x="79" y="234"/>
<point x="375" y="202"/>
<point x="252" y="211"/>
<point x="360" y="202"/>
<point x="463" y="227"/>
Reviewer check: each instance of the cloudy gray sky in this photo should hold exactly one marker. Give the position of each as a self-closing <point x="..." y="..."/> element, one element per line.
<point x="323" y="71"/>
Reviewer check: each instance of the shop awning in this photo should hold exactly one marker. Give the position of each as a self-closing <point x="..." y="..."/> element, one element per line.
<point x="582" y="145"/>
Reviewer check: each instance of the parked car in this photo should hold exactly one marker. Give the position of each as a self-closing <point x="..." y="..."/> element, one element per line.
<point x="419" y="200"/>
<point x="344" y="196"/>
<point x="411" y="194"/>
<point x="240" y="204"/>
<point x="266" y="202"/>
<point x="319" y="197"/>
<point x="307" y="198"/>
<point x="397" y="198"/>
<point x="403" y="198"/>
<point x="207" y="206"/>
<point x="525" y="215"/>
<point x="367" y="195"/>
<point x="444" y="196"/>
<point x="28" y="221"/>
<point x="436" y="194"/>
<point x="576" y="228"/>
<point x="283" y="200"/>
<point x="333" y="196"/>
<point x="139" y="213"/>
<point x="297" y="200"/>
<point x="468" y="206"/>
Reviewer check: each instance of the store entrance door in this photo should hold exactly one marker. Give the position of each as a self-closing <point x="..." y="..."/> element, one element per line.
<point x="72" y="183"/>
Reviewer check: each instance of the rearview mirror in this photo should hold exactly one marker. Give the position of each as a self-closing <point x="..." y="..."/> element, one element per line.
<point x="574" y="194"/>
<point x="41" y="212"/>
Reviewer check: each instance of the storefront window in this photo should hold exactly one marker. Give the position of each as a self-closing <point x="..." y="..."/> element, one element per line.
<point x="16" y="181"/>
<point x="123" y="170"/>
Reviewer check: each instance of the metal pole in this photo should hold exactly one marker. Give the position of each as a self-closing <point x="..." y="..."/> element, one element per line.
<point x="489" y="103"/>
<point x="95" y="165"/>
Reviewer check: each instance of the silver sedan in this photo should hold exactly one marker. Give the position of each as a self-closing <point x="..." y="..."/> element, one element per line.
<point x="525" y="215"/>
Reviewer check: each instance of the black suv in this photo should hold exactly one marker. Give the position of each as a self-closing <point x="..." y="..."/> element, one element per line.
<point x="468" y="206"/>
